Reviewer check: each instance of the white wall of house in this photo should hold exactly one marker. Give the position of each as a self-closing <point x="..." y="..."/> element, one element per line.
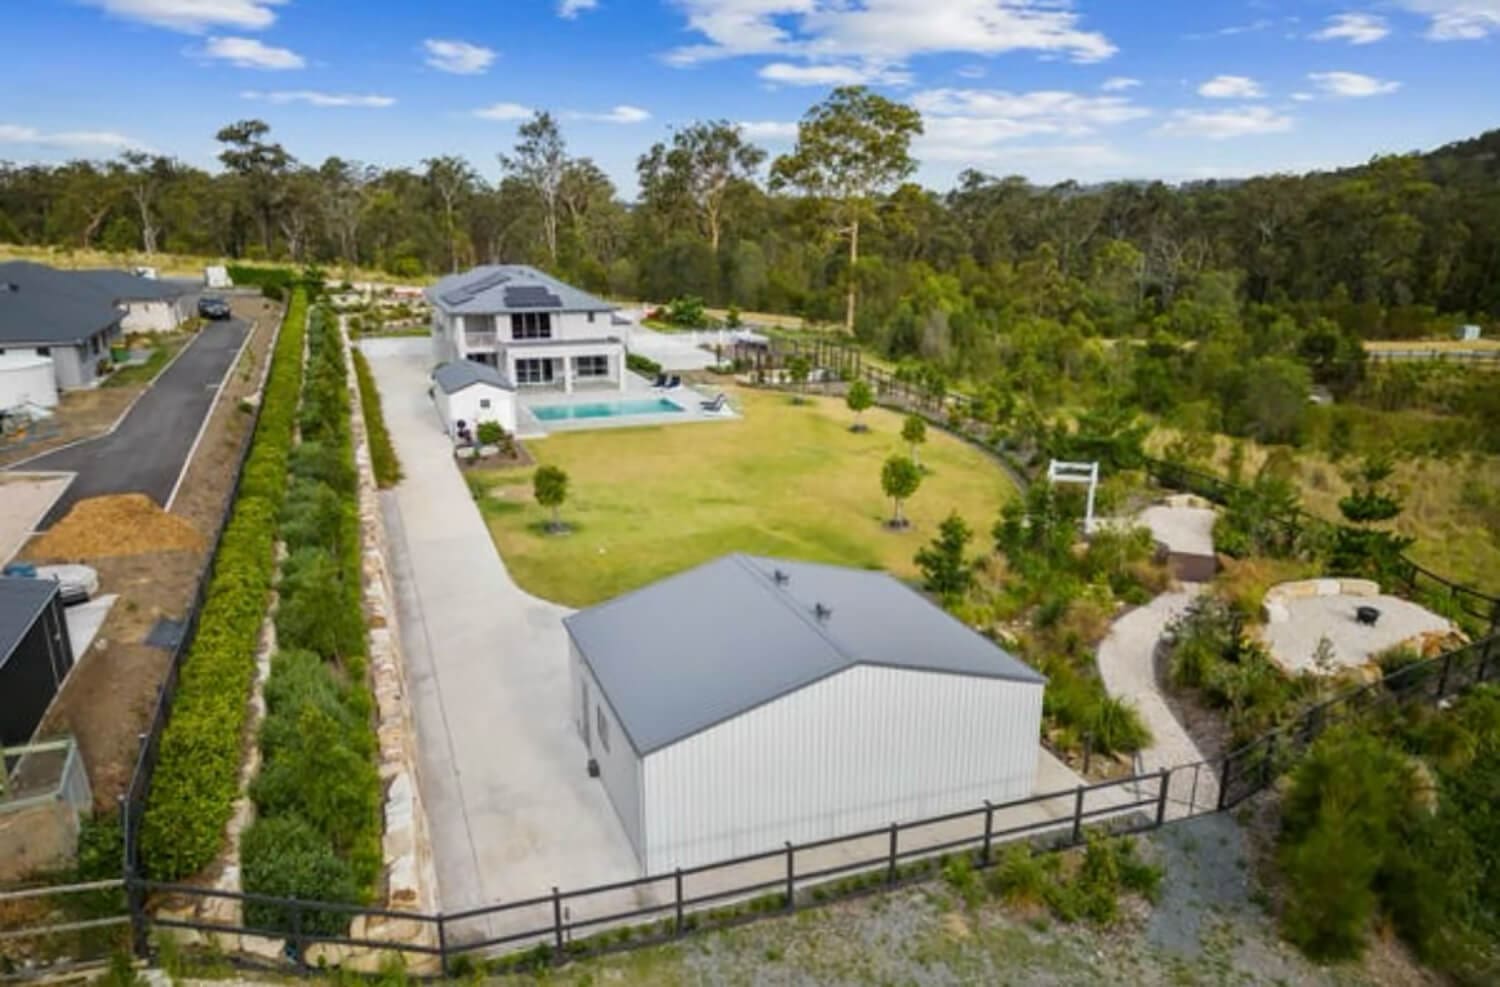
<point x="565" y="356"/>
<point x="151" y="316"/>
<point x="860" y="749"/>
<point x="605" y="741"/>
<point x="474" y="404"/>
<point x="74" y="365"/>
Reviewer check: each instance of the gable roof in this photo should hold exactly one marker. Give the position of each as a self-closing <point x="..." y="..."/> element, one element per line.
<point x="41" y="305"/>
<point x="21" y="602"/>
<point x="499" y="289"/>
<point x="459" y="374"/>
<point x="696" y="649"/>
<point x="122" y="286"/>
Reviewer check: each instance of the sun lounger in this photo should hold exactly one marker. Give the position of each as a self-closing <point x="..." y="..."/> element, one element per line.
<point x="716" y="405"/>
<point x="661" y="381"/>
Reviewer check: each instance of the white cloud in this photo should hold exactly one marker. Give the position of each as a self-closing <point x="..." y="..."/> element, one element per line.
<point x="1303" y="97"/>
<point x="504" y="111"/>
<point x="777" y="131"/>
<point x="1457" y="20"/>
<point x="1253" y="27"/>
<point x="314" y="98"/>
<point x="1357" y="29"/>
<point x="619" y="114"/>
<point x="833" y="74"/>
<point x="248" y="53"/>
<point x="971" y="71"/>
<point x="457" y="57"/>
<point x="1352" y="84"/>
<point x="1058" y="160"/>
<point x="1243" y="121"/>
<point x="75" y="140"/>
<point x="884" y="31"/>
<point x="1231" y="87"/>
<point x="981" y="125"/>
<point x="572" y="8"/>
<point x="194" y="16"/>
<point x="1119" y="84"/>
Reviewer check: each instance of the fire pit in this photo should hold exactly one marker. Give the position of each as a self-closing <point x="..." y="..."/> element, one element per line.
<point x="1367" y="615"/>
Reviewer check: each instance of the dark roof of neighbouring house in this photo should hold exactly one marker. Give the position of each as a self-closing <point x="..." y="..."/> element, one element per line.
<point x="122" y="286"/>
<point x="21" y="602"/>
<point x="696" y="649"/>
<point x="459" y="374"/>
<point x="498" y="289"/>
<point x="41" y="305"/>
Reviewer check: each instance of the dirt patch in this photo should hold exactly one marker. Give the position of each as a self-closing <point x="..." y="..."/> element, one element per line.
<point x="105" y="527"/>
<point x="79" y="415"/>
<point x="109" y="697"/>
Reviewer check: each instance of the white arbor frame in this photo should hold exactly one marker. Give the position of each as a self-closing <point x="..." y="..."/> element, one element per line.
<point x="1060" y="471"/>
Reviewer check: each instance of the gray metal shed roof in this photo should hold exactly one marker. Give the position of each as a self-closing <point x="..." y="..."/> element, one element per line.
<point x="499" y="289"/>
<point x="706" y="645"/>
<point x="21" y="602"/>
<point x="39" y="304"/>
<point x="459" y="374"/>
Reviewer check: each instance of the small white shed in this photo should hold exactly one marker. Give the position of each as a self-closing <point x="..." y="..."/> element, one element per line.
<point x="752" y="702"/>
<point x="26" y="379"/>
<point x="471" y="392"/>
<point x="1469" y="333"/>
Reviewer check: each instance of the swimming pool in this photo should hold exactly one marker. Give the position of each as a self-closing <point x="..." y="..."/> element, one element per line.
<point x="605" y="409"/>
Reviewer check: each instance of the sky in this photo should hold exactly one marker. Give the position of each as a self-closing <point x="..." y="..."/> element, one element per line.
<point x="1090" y="89"/>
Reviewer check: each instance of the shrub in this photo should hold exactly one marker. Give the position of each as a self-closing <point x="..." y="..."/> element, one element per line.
<point x="641" y="364"/>
<point x="1020" y="878"/>
<point x="490" y="433"/>
<point x="314" y="611"/>
<point x="195" y="783"/>
<point x="383" y="459"/>
<point x="321" y="772"/>
<point x="286" y="857"/>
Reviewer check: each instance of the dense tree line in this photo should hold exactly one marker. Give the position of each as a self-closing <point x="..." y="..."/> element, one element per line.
<point x="1379" y="250"/>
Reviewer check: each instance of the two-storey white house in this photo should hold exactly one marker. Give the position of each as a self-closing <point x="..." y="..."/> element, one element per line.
<point x="539" y="332"/>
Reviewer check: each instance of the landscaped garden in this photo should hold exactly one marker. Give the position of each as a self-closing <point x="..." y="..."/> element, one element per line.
<point x="784" y="479"/>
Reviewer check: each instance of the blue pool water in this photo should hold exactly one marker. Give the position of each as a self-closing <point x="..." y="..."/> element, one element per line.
<point x="605" y="409"/>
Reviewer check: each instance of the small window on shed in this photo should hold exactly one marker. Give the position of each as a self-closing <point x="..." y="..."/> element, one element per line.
<point x="603" y="726"/>
<point x="40" y="351"/>
<point x="591" y="317"/>
<point x="484" y="402"/>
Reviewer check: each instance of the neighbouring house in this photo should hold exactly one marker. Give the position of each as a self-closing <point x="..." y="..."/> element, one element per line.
<point x="470" y="392"/>
<point x="43" y="316"/>
<point x="150" y="305"/>
<point x="540" y="332"/>
<point x="1469" y="333"/>
<point x="754" y="701"/>
<point x="36" y="654"/>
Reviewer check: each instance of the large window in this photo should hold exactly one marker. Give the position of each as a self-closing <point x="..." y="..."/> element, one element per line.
<point x="533" y="371"/>
<point x="591" y="366"/>
<point x="530" y="325"/>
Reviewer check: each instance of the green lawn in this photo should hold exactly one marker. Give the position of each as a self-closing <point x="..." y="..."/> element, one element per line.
<point x="145" y="373"/>
<point x="784" y="480"/>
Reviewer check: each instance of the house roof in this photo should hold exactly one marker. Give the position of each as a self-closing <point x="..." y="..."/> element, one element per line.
<point x="499" y="289"/>
<point x="21" y="602"/>
<point x="41" y="305"/>
<point x="121" y="286"/>
<point x="459" y="374"/>
<point x="706" y="645"/>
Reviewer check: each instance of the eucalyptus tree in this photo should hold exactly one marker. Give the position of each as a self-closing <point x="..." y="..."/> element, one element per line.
<point x="540" y="163"/>
<point x="704" y="162"/>
<point x="452" y="181"/>
<point x="850" y="147"/>
<point x="260" y="165"/>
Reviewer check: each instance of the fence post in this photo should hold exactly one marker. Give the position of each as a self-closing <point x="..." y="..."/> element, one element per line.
<point x="297" y="951"/>
<point x="1161" y="796"/>
<point x="677" y="882"/>
<point x="557" y="923"/>
<point x="1224" y="784"/>
<point x="1088" y="752"/>
<point x="890" y="873"/>
<point x="1267" y="767"/>
<point x="443" y="945"/>
<point x="791" y="877"/>
<point x="1078" y="816"/>
<point x="1442" y="688"/>
<point x="989" y="832"/>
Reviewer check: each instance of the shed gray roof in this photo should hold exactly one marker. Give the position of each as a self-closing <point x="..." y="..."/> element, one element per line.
<point x="21" y="602"/>
<point x="41" y="305"/>
<point x="499" y="289"/>
<point x="459" y="374"/>
<point x="122" y="286"/>
<point x="706" y="645"/>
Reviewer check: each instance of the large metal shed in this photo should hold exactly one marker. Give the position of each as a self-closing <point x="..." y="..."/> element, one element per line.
<point x="754" y="701"/>
<point x="35" y="654"/>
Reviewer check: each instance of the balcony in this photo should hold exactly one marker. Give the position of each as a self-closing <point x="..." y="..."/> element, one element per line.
<point x="479" y="340"/>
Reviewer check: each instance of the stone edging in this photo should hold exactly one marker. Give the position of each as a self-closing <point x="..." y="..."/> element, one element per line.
<point x="1278" y="596"/>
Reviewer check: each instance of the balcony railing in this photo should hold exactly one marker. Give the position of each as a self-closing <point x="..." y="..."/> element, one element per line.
<point x="479" y="340"/>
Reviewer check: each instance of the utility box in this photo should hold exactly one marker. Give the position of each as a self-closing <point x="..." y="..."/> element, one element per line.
<point x="1469" y="333"/>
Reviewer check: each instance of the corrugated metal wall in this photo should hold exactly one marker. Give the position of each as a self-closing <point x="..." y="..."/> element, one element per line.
<point x="861" y="749"/>
<point x="619" y="768"/>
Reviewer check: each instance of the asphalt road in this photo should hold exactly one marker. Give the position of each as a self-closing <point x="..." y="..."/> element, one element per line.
<point x="147" y="452"/>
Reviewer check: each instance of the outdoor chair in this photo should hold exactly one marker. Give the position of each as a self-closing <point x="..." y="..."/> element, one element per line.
<point x="716" y="405"/>
<point x="673" y="382"/>
<point x="661" y="381"/>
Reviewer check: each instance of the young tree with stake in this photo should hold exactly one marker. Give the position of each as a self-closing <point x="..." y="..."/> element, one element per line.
<point x="859" y="399"/>
<point x="899" y="478"/>
<point x="550" y="486"/>
<point x="914" y="433"/>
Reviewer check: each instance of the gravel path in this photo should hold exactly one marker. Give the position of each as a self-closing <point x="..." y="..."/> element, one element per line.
<point x="1127" y="665"/>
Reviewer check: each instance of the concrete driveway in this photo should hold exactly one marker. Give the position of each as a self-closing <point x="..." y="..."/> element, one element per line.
<point x="148" y="450"/>
<point x="511" y="808"/>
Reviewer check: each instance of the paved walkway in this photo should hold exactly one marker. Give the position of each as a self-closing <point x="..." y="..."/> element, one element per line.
<point x="501" y="767"/>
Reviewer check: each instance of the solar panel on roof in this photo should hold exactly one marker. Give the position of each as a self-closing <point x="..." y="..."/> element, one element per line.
<point x="531" y="296"/>
<point x="487" y="282"/>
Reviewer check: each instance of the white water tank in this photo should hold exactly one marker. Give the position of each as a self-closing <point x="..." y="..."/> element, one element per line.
<point x="27" y="379"/>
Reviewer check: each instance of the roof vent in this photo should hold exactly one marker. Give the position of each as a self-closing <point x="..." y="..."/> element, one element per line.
<point x="780" y="577"/>
<point x="821" y="612"/>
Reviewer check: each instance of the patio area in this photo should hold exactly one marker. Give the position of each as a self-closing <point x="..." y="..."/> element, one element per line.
<point x="638" y="403"/>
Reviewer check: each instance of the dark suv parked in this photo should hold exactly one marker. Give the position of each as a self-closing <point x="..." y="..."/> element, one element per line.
<point x="212" y="307"/>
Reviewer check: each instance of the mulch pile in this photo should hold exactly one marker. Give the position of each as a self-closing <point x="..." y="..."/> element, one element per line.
<point x="121" y="524"/>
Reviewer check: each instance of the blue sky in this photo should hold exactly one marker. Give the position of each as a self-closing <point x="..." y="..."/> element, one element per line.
<point x="1092" y="89"/>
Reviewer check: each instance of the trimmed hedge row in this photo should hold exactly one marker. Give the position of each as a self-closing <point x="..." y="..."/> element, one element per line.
<point x="382" y="454"/>
<point x="318" y="795"/>
<point x="196" y="779"/>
